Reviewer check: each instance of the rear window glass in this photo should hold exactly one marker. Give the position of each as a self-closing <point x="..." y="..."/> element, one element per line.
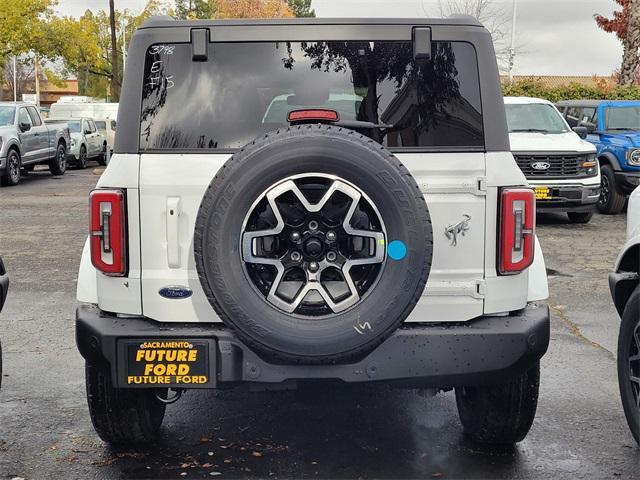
<point x="247" y="89"/>
<point x="101" y="125"/>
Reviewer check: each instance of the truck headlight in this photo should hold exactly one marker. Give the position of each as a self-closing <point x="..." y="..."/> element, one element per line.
<point x="633" y="157"/>
<point x="590" y="164"/>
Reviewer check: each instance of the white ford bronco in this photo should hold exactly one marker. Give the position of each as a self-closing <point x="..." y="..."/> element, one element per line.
<point x="312" y="200"/>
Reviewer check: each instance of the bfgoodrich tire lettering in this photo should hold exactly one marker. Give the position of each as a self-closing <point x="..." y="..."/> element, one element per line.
<point x="303" y="150"/>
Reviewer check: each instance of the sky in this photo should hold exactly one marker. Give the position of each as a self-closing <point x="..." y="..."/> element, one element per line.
<point x="553" y="37"/>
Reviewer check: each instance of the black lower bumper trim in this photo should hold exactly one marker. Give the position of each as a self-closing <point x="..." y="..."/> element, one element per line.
<point x="478" y="352"/>
<point x="570" y="198"/>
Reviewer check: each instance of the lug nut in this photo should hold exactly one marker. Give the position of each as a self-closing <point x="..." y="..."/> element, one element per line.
<point x="295" y="236"/>
<point x="296" y="256"/>
<point x="331" y="236"/>
<point x="331" y="256"/>
<point x="313" y="225"/>
<point x="313" y="267"/>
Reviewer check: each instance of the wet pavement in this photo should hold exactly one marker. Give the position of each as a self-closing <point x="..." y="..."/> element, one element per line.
<point x="45" y="430"/>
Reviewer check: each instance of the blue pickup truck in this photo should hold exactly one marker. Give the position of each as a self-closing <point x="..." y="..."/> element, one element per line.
<point x="614" y="128"/>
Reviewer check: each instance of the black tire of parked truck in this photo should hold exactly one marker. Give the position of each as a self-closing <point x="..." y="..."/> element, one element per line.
<point x="301" y="331"/>
<point x="103" y="158"/>
<point x="11" y="174"/>
<point x="58" y="164"/>
<point x="580" y="217"/>
<point x="122" y="415"/>
<point x="611" y="200"/>
<point x="629" y="362"/>
<point x="500" y="414"/>
<point x="82" y="158"/>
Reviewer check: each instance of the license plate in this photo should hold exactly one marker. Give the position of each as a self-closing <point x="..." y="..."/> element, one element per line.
<point x="176" y="363"/>
<point x="542" y="193"/>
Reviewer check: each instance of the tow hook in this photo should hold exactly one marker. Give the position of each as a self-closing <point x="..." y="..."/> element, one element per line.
<point x="169" y="400"/>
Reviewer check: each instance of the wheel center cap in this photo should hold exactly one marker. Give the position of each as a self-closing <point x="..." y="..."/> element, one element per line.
<point x="313" y="247"/>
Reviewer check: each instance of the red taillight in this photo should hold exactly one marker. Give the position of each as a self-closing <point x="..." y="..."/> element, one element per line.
<point x="517" y="229"/>
<point x="107" y="223"/>
<point x="319" y="114"/>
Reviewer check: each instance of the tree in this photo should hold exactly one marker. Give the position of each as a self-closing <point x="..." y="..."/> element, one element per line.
<point x="494" y="18"/>
<point x="22" y="26"/>
<point x="115" y="85"/>
<point x="85" y="46"/>
<point x="192" y="9"/>
<point x="625" y="23"/>
<point x="24" y="75"/>
<point x="301" y="8"/>
<point x="253" y="9"/>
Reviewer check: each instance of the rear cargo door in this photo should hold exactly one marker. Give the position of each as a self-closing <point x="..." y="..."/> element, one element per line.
<point x="202" y="101"/>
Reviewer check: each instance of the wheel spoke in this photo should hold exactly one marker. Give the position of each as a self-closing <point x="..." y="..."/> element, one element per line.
<point x="312" y="261"/>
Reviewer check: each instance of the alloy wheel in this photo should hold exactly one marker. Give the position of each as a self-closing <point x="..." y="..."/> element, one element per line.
<point x="634" y="365"/>
<point x="313" y="245"/>
<point x="604" y="192"/>
<point x="62" y="157"/>
<point x="13" y="165"/>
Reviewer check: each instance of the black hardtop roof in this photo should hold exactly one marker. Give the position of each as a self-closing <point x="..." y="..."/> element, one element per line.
<point x="453" y="20"/>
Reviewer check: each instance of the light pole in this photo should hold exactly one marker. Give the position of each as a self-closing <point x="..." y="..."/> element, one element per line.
<point x="15" y="80"/>
<point x="512" y="48"/>
<point x="124" y="45"/>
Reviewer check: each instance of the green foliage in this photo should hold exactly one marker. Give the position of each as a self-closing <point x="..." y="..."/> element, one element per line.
<point x="190" y="9"/>
<point x="301" y="8"/>
<point x="572" y="91"/>
<point x="22" y="26"/>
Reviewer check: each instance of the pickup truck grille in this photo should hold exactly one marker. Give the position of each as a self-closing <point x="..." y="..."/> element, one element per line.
<point x="560" y="166"/>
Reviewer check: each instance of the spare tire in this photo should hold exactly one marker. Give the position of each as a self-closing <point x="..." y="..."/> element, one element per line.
<point x="313" y="243"/>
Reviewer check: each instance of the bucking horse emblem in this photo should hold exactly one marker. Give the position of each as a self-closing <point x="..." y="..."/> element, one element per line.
<point x="452" y="231"/>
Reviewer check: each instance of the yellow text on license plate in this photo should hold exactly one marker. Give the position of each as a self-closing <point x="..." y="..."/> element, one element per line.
<point x="164" y="362"/>
<point x="542" y="193"/>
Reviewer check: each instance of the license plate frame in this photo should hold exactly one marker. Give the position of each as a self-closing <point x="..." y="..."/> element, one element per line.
<point x="542" y="193"/>
<point x="183" y="363"/>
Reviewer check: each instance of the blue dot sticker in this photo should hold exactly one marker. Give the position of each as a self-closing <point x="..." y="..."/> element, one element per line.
<point x="397" y="250"/>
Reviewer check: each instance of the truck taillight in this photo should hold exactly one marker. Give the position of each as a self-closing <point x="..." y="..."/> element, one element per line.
<point x="517" y="230"/>
<point x="107" y="222"/>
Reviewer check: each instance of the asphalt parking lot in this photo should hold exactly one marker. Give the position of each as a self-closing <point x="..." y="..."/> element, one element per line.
<point x="45" y="431"/>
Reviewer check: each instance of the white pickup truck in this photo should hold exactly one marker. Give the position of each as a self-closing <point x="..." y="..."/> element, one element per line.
<point x="557" y="162"/>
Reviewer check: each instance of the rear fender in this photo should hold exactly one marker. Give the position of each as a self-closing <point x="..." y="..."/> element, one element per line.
<point x="538" y="286"/>
<point x="87" y="288"/>
<point x="625" y="278"/>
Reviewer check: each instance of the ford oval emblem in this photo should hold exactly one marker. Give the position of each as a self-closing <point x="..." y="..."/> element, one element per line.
<point x="541" y="165"/>
<point x="175" y="292"/>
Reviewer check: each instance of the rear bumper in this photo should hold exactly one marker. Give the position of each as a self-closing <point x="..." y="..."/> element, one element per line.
<point x="480" y="352"/>
<point x="570" y="198"/>
<point x="627" y="182"/>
